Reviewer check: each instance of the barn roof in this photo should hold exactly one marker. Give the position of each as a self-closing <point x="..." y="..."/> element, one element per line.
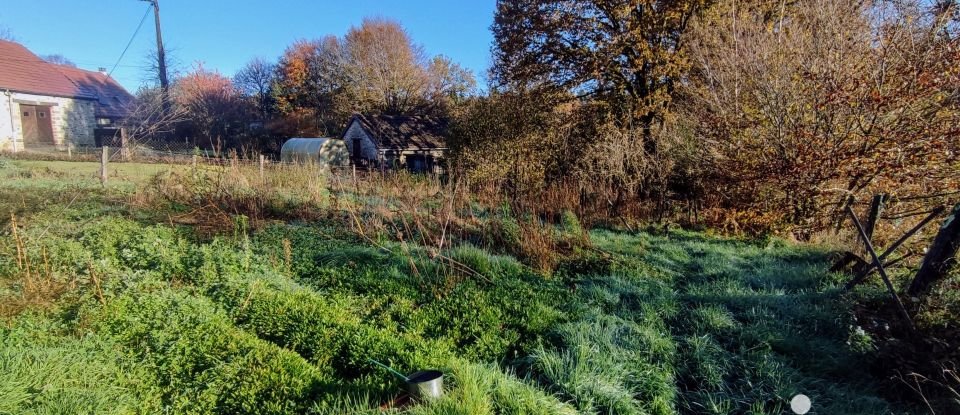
<point x="113" y="101"/>
<point x="404" y="132"/>
<point x="22" y="71"/>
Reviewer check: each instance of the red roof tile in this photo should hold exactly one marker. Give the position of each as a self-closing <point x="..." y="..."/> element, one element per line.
<point x="22" y="71"/>
<point x="112" y="100"/>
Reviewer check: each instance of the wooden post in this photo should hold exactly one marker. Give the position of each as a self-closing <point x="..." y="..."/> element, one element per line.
<point x="104" y="158"/>
<point x="261" y="167"/>
<point x="124" y="148"/>
<point x="356" y="186"/>
<point x="940" y="257"/>
<point x="879" y="265"/>
<point x="867" y="269"/>
<point x="69" y="151"/>
<point x="195" y="157"/>
<point x="876" y="206"/>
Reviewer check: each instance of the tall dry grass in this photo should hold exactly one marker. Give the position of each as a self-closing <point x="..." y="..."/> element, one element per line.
<point x="423" y="214"/>
<point x="34" y="284"/>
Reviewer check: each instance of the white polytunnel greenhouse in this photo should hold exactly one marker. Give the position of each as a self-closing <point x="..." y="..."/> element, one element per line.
<point x="324" y="151"/>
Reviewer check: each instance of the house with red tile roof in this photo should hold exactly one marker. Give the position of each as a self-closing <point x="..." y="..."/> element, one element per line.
<point x="48" y="106"/>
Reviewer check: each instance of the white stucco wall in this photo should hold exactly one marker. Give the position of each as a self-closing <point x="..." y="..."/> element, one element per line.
<point x="72" y="119"/>
<point x="367" y="147"/>
<point x="6" y="124"/>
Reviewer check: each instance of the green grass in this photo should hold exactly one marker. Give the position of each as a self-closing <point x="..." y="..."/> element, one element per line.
<point x="83" y="173"/>
<point x="152" y="318"/>
<point x="44" y="371"/>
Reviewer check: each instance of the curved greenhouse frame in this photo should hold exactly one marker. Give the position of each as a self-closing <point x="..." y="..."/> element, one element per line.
<point x="324" y="151"/>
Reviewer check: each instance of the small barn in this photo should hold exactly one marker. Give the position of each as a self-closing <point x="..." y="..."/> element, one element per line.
<point x="48" y="106"/>
<point x="321" y="151"/>
<point x="415" y="143"/>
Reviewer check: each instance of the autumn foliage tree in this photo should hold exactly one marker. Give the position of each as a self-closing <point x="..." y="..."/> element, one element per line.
<point x="385" y="69"/>
<point x="628" y="54"/>
<point x="213" y="106"/>
<point x="803" y="109"/>
<point x="375" y="67"/>
<point x="309" y="87"/>
<point x="448" y="83"/>
<point x="620" y="61"/>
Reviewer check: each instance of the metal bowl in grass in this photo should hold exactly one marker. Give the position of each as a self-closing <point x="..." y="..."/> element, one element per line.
<point x="422" y="385"/>
<point x="425" y="384"/>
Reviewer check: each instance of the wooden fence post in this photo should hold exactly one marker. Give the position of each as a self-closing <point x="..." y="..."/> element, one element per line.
<point x="124" y="148"/>
<point x="879" y="265"/>
<point x="865" y="270"/>
<point x="104" y="158"/>
<point x="940" y="257"/>
<point x="261" y="168"/>
<point x="876" y="207"/>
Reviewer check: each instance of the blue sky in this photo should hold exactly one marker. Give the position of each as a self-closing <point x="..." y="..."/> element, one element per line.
<point x="224" y="34"/>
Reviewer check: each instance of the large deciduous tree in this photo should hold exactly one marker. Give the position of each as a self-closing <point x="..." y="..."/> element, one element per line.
<point x="385" y="69"/>
<point x="626" y="53"/>
<point x="448" y="82"/>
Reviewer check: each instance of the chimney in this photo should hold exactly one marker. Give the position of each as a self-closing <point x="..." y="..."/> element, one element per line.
<point x="102" y="70"/>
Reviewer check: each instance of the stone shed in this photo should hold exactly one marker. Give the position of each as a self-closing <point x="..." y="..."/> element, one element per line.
<point x="415" y="143"/>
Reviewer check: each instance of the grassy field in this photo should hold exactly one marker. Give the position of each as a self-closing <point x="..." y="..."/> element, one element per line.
<point x="110" y="302"/>
<point x="82" y="173"/>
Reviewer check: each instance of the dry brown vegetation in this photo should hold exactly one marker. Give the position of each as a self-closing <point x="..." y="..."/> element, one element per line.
<point x="756" y="116"/>
<point x="422" y="210"/>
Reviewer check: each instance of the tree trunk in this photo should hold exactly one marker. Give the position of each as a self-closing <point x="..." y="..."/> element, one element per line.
<point x="941" y="256"/>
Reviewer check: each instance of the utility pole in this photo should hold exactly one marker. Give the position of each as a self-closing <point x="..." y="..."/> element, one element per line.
<point x="161" y="55"/>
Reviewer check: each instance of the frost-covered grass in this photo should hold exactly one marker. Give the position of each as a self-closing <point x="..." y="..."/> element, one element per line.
<point x="138" y="315"/>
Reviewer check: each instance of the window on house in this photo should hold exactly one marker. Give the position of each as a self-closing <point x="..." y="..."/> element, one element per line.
<point x="26" y="114"/>
<point x="104" y="121"/>
<point x="42" y="114"/>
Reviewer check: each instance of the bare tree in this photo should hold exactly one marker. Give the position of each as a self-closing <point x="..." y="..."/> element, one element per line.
<point x="58" y="59"/>
<point x="149" y="124"/>
<point x="255" y="80"/>
<point x="6" y="34"/>
<point x="151" y="65"/>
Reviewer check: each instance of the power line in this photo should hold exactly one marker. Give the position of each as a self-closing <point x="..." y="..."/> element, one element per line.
<point x="142" y="19"/>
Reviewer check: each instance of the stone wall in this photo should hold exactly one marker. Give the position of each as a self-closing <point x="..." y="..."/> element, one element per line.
<point x="368" y="149"/>
<point x="72" y="119"/>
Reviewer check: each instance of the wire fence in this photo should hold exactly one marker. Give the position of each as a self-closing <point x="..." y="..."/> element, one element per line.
<point x="140" y="151"/>
<point x="182" y="154"/>
<point x="186" y="153"/>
